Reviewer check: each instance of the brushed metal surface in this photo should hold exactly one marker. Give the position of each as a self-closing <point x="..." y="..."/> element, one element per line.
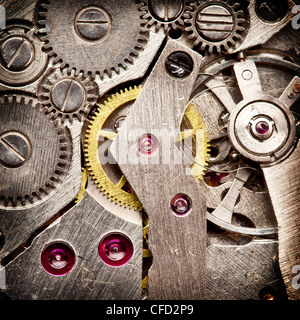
<point x="248" y="269"/>
<point x="156" y="183"/>
<point x="255" y="36"/>
<point x="18" y="224"/>
<point x="283" y="181"/>
<point x="82" y="228"/>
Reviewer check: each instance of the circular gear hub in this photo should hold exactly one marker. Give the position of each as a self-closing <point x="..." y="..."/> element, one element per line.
<point x="102" y="36"/>
<point x="215" y="25"/>
<point x="22" y="60"/>
<point x="104" y="128"/>
<point x="164" y="14"/>
<point x="34" y="155"/>
<point x="67" y="96"/>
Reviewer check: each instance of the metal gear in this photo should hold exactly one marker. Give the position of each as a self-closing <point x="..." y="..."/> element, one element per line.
<point x="108" y="177"/>
<point x="34" y="154"/>
<point x="102" y="36"/>
<point x="66" y="95"/>
<point x="164" y="14"/>
<point x="215" y="24"/>
<point x="22" y="60"/>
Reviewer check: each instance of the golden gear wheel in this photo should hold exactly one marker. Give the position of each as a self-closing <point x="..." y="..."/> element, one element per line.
<point x="96" y="129"/>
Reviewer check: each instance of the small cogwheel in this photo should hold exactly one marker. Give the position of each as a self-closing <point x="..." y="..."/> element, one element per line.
<point x="34" y="153"/>
<point x="104" y="128"/>
<point x="22" y="59"/>
<point x="102" y="36"/>
<point x="164" y="14"/>
<point x="215" y="24"/>
<point x="67" y="96"/>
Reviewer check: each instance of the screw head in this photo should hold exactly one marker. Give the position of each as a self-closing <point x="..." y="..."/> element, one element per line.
<point x="16" y="53"/>
<point x="165" y="11"/>
<point x="67" y="95"/>
<point x="214" y="23"/>
<point x="115" y="249"/>
<point x="15" y="149"/>
<point x="58" y="258"/>
<point x="181" y="204"/>
<point x="179" y="64"/>
<point x="271" y="10"/>
<point x="93" y="24"/>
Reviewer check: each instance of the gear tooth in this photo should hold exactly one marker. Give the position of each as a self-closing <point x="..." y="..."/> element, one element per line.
<point x="102" y="66"/>
<point x="42" y="22"/>
<point x="47" y="46"/>
<point x="151" y="20"/>
<point x="190" y="36"/>
<point x="235" y="12"/>
<point x="45" y="5"/>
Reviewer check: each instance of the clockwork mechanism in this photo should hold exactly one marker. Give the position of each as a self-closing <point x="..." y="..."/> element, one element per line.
<point x="149" y="150"/>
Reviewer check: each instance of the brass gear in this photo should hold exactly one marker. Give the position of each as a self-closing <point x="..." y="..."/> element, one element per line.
<point x="115" y="190"/>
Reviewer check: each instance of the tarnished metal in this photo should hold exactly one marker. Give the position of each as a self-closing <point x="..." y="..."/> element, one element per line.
<point x="153" y="115"/>
<point x="208" y="148"/>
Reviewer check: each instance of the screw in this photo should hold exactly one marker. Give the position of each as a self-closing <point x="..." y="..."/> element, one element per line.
<point x="17" y="53"/>
<point x="93" y="24"/>
<point x="15" y="149"/>
<point x="296" y="87"/>
<point x="67" y="95"/>
<point x="181" y="204"/>
<point x="271" y="11"/>
<point x="214" y="23"/>
<point x="179" y="64"/>
<point x="164" y="10"/>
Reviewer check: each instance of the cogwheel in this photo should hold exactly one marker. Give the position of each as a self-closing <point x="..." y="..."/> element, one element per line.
<point x="22" y="60"/>
<point x="215" y="24"/>
<point x="34" y="154"/>
<point x="164" y="14"/>
<point x="105" y="125"/>
<point x="66" y="95"/>
<point x="93" y="36"/>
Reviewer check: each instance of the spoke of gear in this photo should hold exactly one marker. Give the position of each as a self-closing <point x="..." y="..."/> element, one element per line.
<point x="102" y="35"/>
<point x="115" y="186"/>
<point x="67" y="96"/>
<point x="215" y="25"/>
<point x="164" y="14"/>
<point x="34" y="154"/>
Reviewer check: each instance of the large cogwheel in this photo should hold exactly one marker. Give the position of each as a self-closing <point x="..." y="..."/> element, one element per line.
<point x="93" y="36"/>
<point x="67" y="96"/>
<point x="215" y="24"/>
<point x="104" y="128"/>
<point x="34" y="154"/>
<point x="164" y="14"/>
